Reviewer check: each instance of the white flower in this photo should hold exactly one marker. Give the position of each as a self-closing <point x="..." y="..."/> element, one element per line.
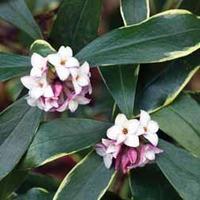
<point x="63" y="60"/>
<point x="81" y="77"/>
<point x="148" y="128"/>
<point x="38" y="86"/>
<point x="39" y="65"/>
<point x="124" y="131"/>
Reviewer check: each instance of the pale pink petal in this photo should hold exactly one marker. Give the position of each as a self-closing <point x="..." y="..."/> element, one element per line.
<point x="72" y="62"/>
<point x="62" y="72"/>
<point x="132" y="126"/>
<point x="113" y="132"/>
<point x="120" y="119"/>
<point x="100" y="149"/>
<point x="83" y="80"/>
<point x="150" y="155"/>
<point x="144" y="118"/>
<point x="82" y="100"/>
<point x="140" y="130"/>
<point x="108" y="160"/>
<point x="152" y="127"/>
<point x="73" y="105"/>
<point x="54" y="59"/>
<point x="29" y="82"/>
<point x="85" y="68"/>
<point x="63" y="107"/>
<point x="132" y="141"/>
<point x="121" y="138"/>
<point x="31" y="101"/>
<point x="152" y="137"/>
<point x="48" y="92"/>
<point x="65" y="52"/>
<point x="77" y="87"/>
<point x="36" y="93"/>
<point x="39" y="64"/>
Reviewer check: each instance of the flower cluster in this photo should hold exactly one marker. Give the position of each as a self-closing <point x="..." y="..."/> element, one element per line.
<point x="132" y="143"/>
<point x="58" y="82"/>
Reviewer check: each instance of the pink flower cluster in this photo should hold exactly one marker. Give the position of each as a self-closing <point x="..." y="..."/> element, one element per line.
<point x="58" y="82"/>
<point x="132" y="143"/>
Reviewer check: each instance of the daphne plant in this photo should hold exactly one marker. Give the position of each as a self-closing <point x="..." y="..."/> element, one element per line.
<point x="139" y="138"/>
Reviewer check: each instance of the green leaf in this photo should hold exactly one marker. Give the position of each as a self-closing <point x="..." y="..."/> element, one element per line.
<point x="89" y="179"/>
<point x="36" y="194"/>
<point x="134" y="11"/>
<point x="18" y="125"/>
<point x="12" y="65"/>
<point x="180" y="120"/>
<point x="82" y="29"/>
<point x="121" y="82"/>
<point x="40" y="181"/>
<point x="181" y="169"/>
<point x="17" y="13"/>
<point x="148" y="183"/>
<point x="11" y="182"/>
<point x="63" y="136"/>
<point x="166" y="36"/>
<point x="42" y="47"/>
<point x="166" y="86"/>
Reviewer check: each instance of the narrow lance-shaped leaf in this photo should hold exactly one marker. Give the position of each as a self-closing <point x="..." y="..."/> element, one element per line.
<point x="63" y="136"/>
<point x="11" y="183"/>
<point x="149" y="183"/>
<point x="180" y="120"/>
<point x="36" y="194"/>
<point x="166" y="36"/>
<point x="81" y="182"/>
<point x="82" y="29"/>
<point x="42" y="47"/>
<point x="121" y="81"/>
<point x="12" y="65"/>
<point x="17" y="13"/>
<point x="18" y="125"/>
<point x="181" y="169"/>
<point x="166" y="86"/>
<point x="134" y="11"/>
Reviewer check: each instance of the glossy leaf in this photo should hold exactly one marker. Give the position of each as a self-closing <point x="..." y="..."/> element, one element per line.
<point x="36" y="194"/>
<point x="81" y="182"/>
<point x="42" y="47"/>
<point x="11" y="183"/>
<point x="63" y="136"/>
<point x="18" y="125"/>
<point x="82" y="29"/>
<point x="121" y="82"/>
<point x="148" y="183"/>
<point x="17" y="13"/>
<point x="134" y="11"/>
<point x="12" y="65"/>
<point x="181" y="169"/>
<point x="166" y="36"/>
<point x="180" y="120"/>
<point x="167" y="85"/>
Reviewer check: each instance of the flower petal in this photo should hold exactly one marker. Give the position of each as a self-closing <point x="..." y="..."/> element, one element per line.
<point x="100" y="149"/>
<point x="152" y="137"/>
<point x="73" y="105"/>
<point x="65" y="52"/>
<point x="132" y="141"/>
<point x="39" y="64"/>
<point x="62" y="72"/>
<point x="36" y="93"/>
<point x="113" y="132"/>
<point x="48" y="92"/>
<point x="120" y="119"/>
<point x="108" y="160"/>
<point x="72" y="62"/>
<point x="132" y="126"/>
<point x="152" y="126"/>
<point x="121" y="138"/>
<point x="85" y="68"/>
<point x="54" y="59"/>
<point x="29" y="82"/>
<point x="144" y="118"/>
<point x="83" y="80"/>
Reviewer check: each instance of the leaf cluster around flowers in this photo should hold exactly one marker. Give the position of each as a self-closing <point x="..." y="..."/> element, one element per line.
<point x="145" y="64"/>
